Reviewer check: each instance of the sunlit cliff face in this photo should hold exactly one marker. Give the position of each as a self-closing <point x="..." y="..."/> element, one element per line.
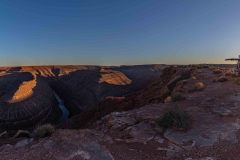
<point x="114" y="77"/>
<point x="24" y="91"/>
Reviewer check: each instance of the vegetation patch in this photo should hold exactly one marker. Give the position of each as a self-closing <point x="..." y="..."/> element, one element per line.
<point x="43" y="131"/>
<point x="176" y="119"/>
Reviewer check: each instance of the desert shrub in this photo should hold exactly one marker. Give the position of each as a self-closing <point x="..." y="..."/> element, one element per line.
<point x="177" y="119"/>
<point x="43" y="131"/>
<point x="199" y="86"/>
<point x="177" y="97"/>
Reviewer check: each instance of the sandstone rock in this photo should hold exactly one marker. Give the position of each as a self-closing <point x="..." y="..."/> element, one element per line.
<point x="168" y="99"/>
<point x="199" y="86"/>
<point x="63" y="145"/>
<point x="114" y="77"/>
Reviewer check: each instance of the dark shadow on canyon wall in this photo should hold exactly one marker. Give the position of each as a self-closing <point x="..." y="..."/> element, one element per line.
<point x="82" y="91"/>
<point x="87" y="98"/>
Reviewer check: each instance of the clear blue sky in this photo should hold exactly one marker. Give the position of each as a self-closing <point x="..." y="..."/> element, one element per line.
<point x="113" y="32"/>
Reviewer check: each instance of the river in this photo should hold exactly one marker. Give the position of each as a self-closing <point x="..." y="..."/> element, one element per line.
<point x="65" y="112"/>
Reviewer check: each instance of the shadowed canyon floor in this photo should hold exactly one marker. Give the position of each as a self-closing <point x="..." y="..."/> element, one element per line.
<point x="114" y="112"/>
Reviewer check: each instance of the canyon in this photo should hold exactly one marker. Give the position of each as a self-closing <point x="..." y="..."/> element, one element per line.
<point x="115" y="112"/>
<point x="27" y="94"/>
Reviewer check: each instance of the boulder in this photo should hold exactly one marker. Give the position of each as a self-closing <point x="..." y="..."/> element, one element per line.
<point x="199" y="86"/>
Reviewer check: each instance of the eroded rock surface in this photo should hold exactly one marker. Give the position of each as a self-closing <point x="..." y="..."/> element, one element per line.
<point x="63" y="145"/>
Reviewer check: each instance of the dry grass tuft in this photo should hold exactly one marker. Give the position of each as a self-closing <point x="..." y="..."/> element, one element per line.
<point x="43" y="131"/>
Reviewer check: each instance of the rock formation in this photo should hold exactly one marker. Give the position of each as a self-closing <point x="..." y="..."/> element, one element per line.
<point x="26" y="101"/>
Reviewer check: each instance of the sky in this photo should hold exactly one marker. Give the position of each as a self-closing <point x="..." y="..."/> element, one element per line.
<point x="118" y="32"/>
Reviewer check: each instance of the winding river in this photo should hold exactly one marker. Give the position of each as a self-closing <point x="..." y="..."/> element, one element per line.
<point x="65" y="112"/>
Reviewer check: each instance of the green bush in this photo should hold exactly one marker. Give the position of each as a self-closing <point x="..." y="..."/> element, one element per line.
<point x="177" y="119"/>
<point x="43" y="131"/>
